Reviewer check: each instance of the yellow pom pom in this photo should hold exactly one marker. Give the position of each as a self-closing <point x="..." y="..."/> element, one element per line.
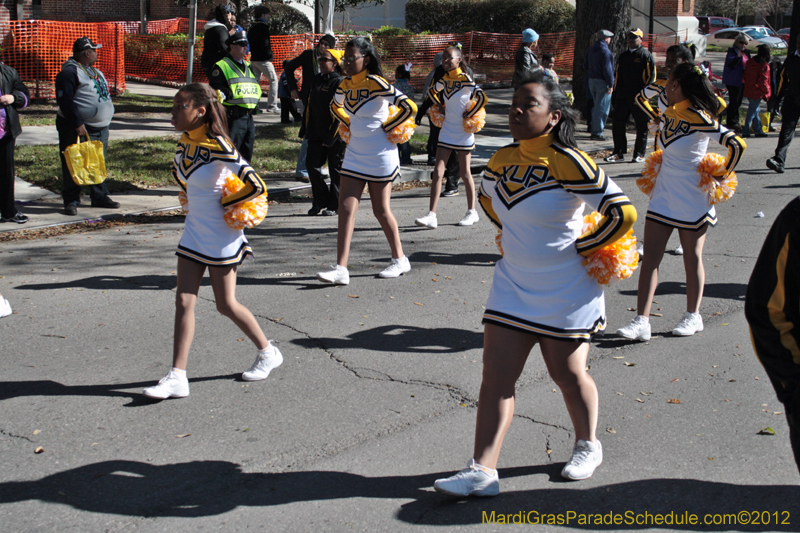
<point x="184" y="200"/>
<point x="436" y="115"/>
<point x="344" y="133"/>
<point x="652" y="166"/>
<point x="711" y="169"/>
<point x="614" y="262"/>
<point x="245" y="214"/>
<point x="475" y="123"/>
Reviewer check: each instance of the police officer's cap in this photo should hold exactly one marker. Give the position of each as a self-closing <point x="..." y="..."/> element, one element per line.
<point x="240" y="37"/>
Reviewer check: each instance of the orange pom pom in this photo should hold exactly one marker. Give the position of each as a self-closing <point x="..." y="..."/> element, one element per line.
<point x="403" y="132"/>
<point x="652" y="166"/>
<point x="436" y="115"/>
<point x="344" y="133"/>
<point x="245" y="214"/>
<point x="498" y="240"/>
<point x="184" y="200"/>
<point x="614" y="262"/>
<point x="711" y="167"/>
<point x="475" y="123"/>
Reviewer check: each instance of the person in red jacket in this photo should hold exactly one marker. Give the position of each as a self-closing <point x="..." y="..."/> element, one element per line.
<point x="756" y="88"/>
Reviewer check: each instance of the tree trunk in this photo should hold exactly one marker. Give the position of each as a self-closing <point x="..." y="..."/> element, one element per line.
<point x="590" y="17"/>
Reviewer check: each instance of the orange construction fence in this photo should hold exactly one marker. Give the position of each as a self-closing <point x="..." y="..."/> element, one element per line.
<point x="38" y="48"/>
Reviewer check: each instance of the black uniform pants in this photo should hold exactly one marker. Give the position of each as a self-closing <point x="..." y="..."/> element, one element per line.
<point x="317" y="155"/>
<point x="789" y="115"/>
<point x="243" y="135"/>
<point x="735" y="95"/>
<point x="623" y="109"/>
<point x="451" y="169"/>
<point x="7" y="208"/>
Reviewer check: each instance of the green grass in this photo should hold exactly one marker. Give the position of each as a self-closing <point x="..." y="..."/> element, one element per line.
<point x="773" y="51"/>
<point x="146" y="163"/>
<point x="126" y="105"/>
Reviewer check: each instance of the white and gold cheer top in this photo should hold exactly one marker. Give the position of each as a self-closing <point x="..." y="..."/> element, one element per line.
<point x="362" y="103"/>
<point x="535" y="190"/>
<point x="201" y="165"/>
<point x="454" y="91"/>
<point x="678" y="200"/>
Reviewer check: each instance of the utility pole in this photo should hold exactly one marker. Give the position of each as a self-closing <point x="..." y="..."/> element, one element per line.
<point x="143" y="17"/>
<point x="192" y="36"/>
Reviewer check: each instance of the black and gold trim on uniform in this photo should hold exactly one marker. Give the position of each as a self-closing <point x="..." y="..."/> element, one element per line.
<point x="196" y="257"/>
<point x="369" y="177"/>
<point x="674" y="223"/>
<point x="509" y="321"/>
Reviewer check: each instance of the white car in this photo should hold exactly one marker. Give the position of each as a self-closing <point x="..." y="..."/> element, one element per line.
<point x="763" y="30"/>
<point x="725" y="38"/>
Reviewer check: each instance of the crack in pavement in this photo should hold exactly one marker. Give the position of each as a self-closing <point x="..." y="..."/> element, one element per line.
<point x="7" y="434"/>
<point x="456" y="394"/>
<point x="531" y="419"/>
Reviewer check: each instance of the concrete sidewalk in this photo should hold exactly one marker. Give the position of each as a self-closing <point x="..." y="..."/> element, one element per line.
<point x="45" y="207"/>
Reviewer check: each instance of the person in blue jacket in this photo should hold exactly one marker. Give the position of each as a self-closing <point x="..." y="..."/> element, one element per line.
<point x="599" y="67"/>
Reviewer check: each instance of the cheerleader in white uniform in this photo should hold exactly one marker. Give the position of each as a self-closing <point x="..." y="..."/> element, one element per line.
<point x="361" y="103"/>
<point x="454" y="92"/>
<point x="204" y="159"/>
<point x="535" y="190"/>
<point x="678" y="202"/>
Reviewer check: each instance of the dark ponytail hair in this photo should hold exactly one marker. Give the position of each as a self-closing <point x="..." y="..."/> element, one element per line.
<point x="557" y="101"/>
<point x="681" y="52"/>
<point x="202" y="95"/>
<point x="696" y="87"/>
<point x="365" y="48"/>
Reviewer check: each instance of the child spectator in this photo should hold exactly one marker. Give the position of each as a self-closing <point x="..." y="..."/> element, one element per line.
<point x="548" y="65"/>
<point x="403" y="74"/>
<point x="287" y="104"/>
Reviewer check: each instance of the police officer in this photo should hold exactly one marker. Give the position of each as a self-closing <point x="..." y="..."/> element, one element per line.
<point x="233" y="76"/>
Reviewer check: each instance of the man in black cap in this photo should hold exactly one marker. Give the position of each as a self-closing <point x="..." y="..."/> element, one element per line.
<point x="233" y="76"/>
<point x="217" y="31"/>
<point x="635" y="70"/>
<point x="84" y="109"/>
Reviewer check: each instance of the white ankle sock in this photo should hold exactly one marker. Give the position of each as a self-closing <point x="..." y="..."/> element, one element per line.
<point x="179" y="371"/>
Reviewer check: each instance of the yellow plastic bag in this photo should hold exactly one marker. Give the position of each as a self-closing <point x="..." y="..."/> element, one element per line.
<point x="86" y="162"/>
<point x="764" y="121"/>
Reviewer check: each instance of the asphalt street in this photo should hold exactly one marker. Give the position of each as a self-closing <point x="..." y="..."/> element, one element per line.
<point x="377" y="395"/>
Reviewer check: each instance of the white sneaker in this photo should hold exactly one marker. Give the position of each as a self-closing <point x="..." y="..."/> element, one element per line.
<point x="470" y="218"/>
<point x="337" y="274"/>
<point x="396" y="267"/>
<point x="264" y="363"/>
<point x="637" y="330"/>
<point x="475" y="480"/>
<point x="679" y="250"/>
<point x="173" y="385"/>
<point x="637" y="159"/>
<point x="5" y="307"/>
<point x="690" y="324"/>
<point x="586" y="456"/>
<point x="428" y="221"/>
<point x="640" y="251"/>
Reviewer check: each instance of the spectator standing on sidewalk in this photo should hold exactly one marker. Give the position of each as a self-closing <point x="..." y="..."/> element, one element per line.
<point x="789" y="90"/>
<point x="216" y="33"/>
<point x="635" y="70"/>
<point x="322" y="133"/>
<point x="756" y="88"/>
<point x="236" y="80"/>
<point x="402" y="75"/>
<point x="308" y="60"/>
<point x="287" y="104"/>
<point x="525" y="61"/>
<point x="13" y="97"/>
<point x="84" y="109"/>
<point x="732" y="75"/>
<point x="261" y="55"/>
<point x="599" y="67"/>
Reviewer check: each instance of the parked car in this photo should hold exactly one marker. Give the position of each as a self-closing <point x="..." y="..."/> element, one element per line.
<point x="725" y="38"/>
<point x="712" y="24"/>
<point x="783" y="33"/>
<point x="763" y="30"/>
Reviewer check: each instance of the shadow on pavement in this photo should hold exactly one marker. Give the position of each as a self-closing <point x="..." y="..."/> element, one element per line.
<point x="19" y="389"/>
<point x="395" y="338"/>
<point x="208" y="488"/>
<point x="730" y="291"/>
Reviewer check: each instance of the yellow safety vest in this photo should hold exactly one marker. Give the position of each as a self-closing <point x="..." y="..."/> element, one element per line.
<point x="243" y="85"/>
